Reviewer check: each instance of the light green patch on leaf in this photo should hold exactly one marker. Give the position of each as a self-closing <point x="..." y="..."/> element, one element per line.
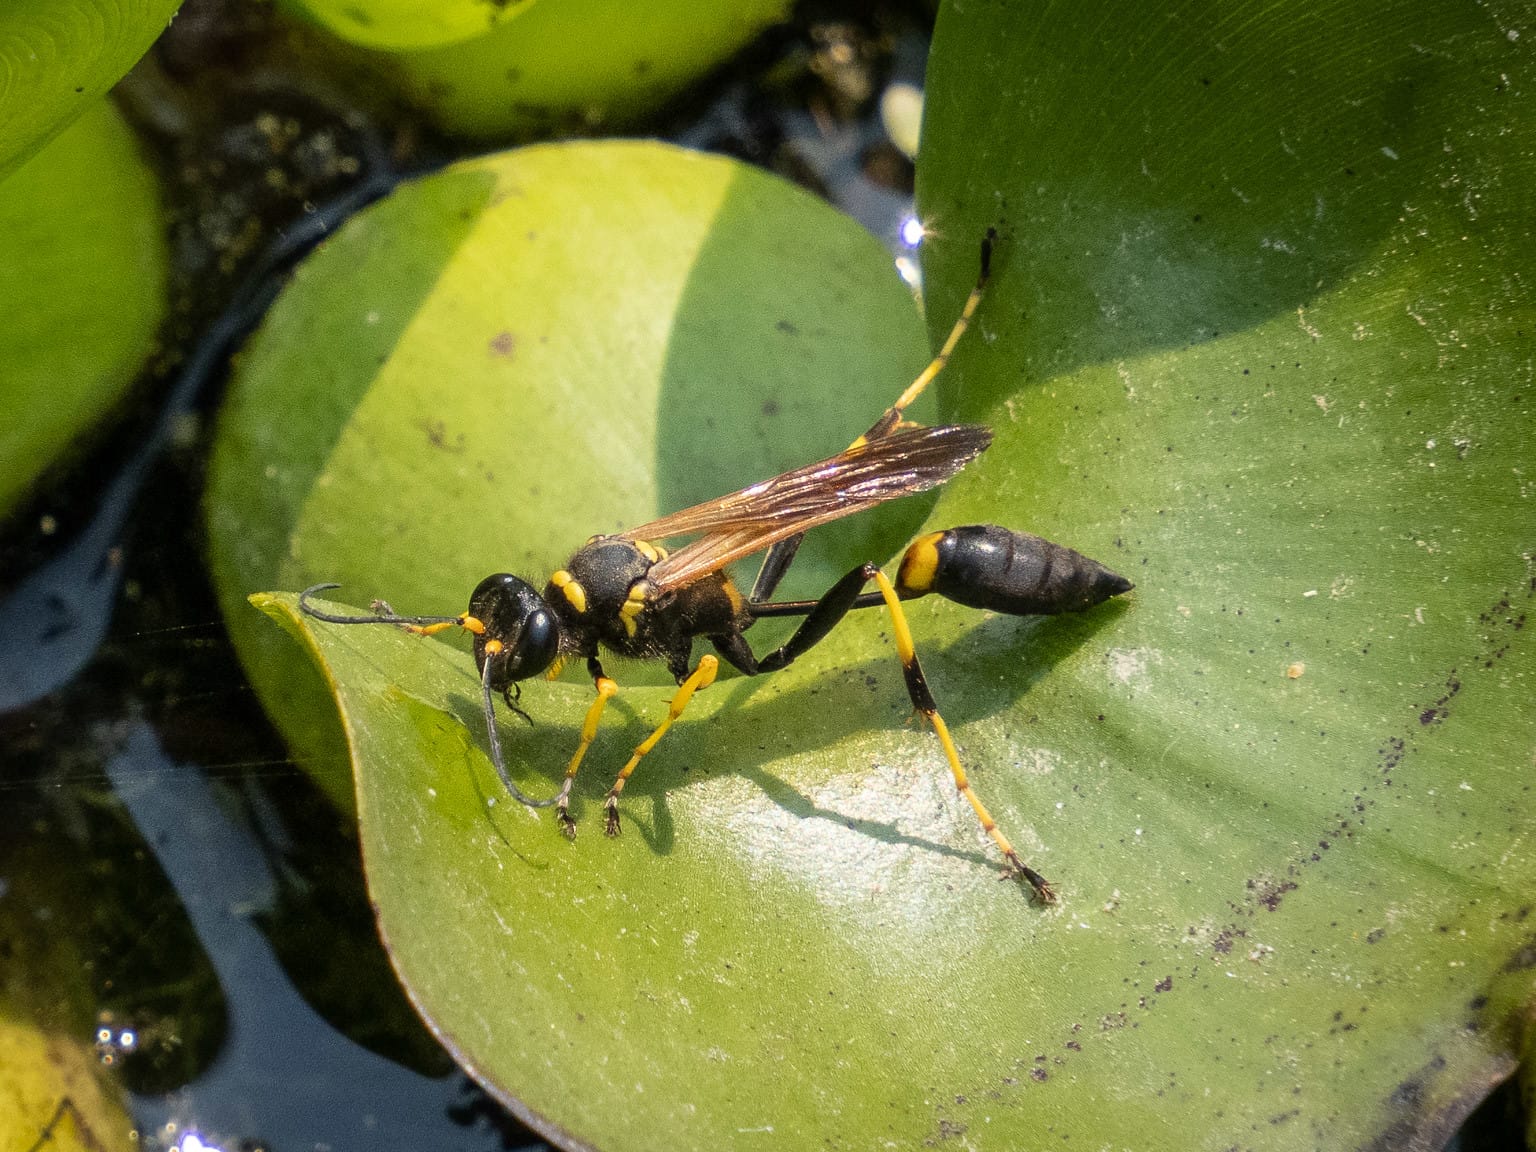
<point x="59" y="57"/>
<point x="396" y="25"/>
<point x="82" y="290"/>
<point x="542" y="67"/>
<point x="48" y="1078"/>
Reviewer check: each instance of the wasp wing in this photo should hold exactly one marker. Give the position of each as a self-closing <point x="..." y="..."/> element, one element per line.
<point x="900" y="464"/>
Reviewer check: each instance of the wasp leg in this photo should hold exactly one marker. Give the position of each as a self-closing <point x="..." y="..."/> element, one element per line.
<point x="775" y="564"/>
<point x="782" y="554"/>
<point x="820" y="619"/>
<point x="701" y="677"/>
<point x="430" y="629"/>
<point x="892" y="418"/>
<point x="606" y="691"/>
<point x="922" y="700"/>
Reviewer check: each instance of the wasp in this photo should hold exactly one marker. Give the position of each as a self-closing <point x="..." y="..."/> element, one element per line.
<point x="629" y="595"/>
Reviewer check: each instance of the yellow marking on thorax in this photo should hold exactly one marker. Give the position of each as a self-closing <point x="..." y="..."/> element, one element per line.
<point x="574" y="592"/>
<point x="629" y="611"/>
<point x="738" y="601"/>
<point x="921" y="563"/>
<point x="655" y="553"/>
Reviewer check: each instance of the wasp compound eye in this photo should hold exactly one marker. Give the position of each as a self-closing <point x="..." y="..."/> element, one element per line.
<point x="536" y="646"/>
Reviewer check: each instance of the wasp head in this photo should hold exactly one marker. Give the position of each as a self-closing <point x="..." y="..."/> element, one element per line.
<point x="519" y="637"/>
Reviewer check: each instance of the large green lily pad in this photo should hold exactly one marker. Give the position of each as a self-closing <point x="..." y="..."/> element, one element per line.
<point x="1259" y="338"/>
<point x="52" y="1083"/>
<point x="1267" y="304"/>
<point x="82" y="287"/>
<point x="59" y="57"/>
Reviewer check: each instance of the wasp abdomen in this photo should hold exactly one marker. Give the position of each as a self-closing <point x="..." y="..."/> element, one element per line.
<point x="984" y="566"/>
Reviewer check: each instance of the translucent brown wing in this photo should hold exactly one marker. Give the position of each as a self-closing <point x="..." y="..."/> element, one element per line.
<point x="730" y="527"/>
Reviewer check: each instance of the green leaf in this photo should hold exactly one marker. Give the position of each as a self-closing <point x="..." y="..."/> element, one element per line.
<point x="82" y="287"/>
<point x="520" y="69"/>
<point x="1261" y="337"/>
<point x="502" y="359"/>
<point x="59" y="57"/>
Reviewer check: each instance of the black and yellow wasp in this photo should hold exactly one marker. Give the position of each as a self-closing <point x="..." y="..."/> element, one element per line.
<point x="628" y="594"/>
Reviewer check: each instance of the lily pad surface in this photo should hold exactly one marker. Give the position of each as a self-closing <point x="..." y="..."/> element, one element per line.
<point x="1263" y="339"/>
<point x="59" y="57"/>
<point x="56" y="1091"/>
<point x="1259" y="338"/>
<point x="82" y="286"/>
<point x="401" y="24"/>
<point x="536" y="66"/>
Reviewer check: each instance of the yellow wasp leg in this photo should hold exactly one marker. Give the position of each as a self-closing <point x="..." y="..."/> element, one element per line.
<point x="606" y="691"/>
<point x="782" y="554"/>
<point x="701" y="677"/>
<point x="922" y="699"/>
<point x="464" y="621"/>
<point x="891" y="419"/>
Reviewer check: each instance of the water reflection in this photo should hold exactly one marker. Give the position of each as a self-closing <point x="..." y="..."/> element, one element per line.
<point x="284" y="1076"/>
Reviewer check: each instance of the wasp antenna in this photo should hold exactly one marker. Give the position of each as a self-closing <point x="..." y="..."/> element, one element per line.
<point x="310" y="610"/>
<point x="377" y="618"/>
<point x="986" y="256"/>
